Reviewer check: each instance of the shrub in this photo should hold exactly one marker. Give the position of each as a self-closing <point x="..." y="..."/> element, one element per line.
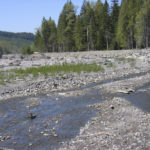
<point x="27" y="50"/>
<point x="1" y="52"/>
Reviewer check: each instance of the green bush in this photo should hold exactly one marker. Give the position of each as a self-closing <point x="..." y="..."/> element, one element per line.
<point x="27" y="50"/>
<point x="1" y="52"/>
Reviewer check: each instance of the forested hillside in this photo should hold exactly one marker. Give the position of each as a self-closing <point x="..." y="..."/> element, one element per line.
<point x="14" y="42"/>
<point x="98" y="26"/>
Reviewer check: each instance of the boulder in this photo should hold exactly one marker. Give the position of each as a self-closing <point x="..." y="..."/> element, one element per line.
<point x="126" y="91"/>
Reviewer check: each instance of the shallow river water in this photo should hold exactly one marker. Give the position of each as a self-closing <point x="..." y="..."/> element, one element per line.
<point x="57" y="119"/>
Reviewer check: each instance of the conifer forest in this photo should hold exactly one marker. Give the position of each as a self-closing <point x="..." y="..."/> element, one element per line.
<point x="98" y="26"/>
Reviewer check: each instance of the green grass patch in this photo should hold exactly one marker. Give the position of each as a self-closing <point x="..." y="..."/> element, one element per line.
<point x="122" y="60"/>
<point x="111" y="65"/>
<point x="132" y="62"/>
<point x="56" y="69"/>
<point x="49" y="70"/>
<point x="2" y="78"/>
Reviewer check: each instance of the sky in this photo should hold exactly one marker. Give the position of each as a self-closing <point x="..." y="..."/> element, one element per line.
<point x="26" y="15"/>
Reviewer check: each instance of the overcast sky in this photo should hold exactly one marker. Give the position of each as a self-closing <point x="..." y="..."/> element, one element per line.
<point x="26" y="15"/>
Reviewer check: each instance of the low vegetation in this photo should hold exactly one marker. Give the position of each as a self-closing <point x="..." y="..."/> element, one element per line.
<point x="111" y="65"/>
<point x="132" y="62"/>
<point x="1" y="78"/>
<point x="28" y="50"/>
<point x="6" y="76"/>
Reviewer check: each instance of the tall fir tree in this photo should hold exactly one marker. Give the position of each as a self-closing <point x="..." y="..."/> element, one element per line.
<point x="38" y="41"/>
<point x="66" y="28"/>
<point x="45" y="30"/>
<point x="45" y="37"/>
<point x="122" y="32"/>
<point x="106" y="24"/>
<point x="78" y="35"/>
<point x="52" y="40"/>
<point x="96" y="27"/>
<point x="126" y="23"/>
<point x="143" y="26"/>
<point x="60" y="31"/>
<point x="113" y="21"/>
<point x="99" y="17"/>
<point x="89" y="25"/>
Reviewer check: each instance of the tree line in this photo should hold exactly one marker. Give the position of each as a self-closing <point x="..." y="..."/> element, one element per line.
<point x="98" y="26"/>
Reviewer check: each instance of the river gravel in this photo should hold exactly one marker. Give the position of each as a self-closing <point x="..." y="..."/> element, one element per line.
<point x="124" y="63"/>
<point x="120" y="124"/>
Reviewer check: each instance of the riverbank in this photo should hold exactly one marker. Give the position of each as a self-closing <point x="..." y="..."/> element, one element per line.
<point x="115" y="64"/>
<point x="119" y="125"/>
<point x="88" y="110"/>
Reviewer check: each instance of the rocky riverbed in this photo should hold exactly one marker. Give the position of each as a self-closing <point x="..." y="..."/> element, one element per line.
<point x="119" y="125"/>
<point x="38" y="59"/>
<point x="117" y="102"/>
<point x="115" y="63"/>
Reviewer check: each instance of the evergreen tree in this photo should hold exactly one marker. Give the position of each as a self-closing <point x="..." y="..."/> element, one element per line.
<point x="60" y="31"/>
<point x="52" y="40"/>
<point x="143" y="26"/>
<point x="96" y="27"/>
<point x="122" y="32"/>
<point x="89" y="25"/>
<point x="78" y="35"/>
<point x="45" y="30"/>
<point x="38" y="41"/>
<point x="46" y="37"/>
<point x="126" y="23"/>
<point x="106" y="25"/>
<point x="114" y="20"/>
<point x="99" y="17"/>
<point x="84" y="25"/>
<point x="66" y="27"/>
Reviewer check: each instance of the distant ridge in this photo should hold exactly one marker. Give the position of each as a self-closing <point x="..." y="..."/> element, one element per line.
<point x="11" y="42"/>
<point x="21" y="35"/>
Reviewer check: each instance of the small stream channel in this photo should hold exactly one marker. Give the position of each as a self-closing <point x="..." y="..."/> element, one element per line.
<point x="58" y="118"/>
<point x="140" y="98"/>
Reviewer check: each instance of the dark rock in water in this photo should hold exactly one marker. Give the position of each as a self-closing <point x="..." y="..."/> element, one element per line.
<point x="4" y="138"/>
<point x="127" y="91"/>
<point x="130" y="91"/>
<point x="32" y="116"/>
<point x="112" y="107"/>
